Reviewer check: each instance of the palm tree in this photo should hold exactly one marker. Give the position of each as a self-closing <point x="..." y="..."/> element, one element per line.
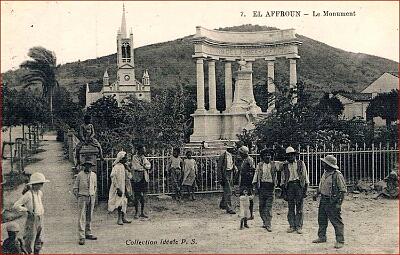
<point x="42" y="70"/>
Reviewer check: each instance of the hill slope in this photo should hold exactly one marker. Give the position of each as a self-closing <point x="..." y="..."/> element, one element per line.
<point x="321" y="67"/>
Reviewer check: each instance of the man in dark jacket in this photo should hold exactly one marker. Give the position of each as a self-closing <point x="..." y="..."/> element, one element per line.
<point x="247" y="169"/>
<point x="294" y="185"/>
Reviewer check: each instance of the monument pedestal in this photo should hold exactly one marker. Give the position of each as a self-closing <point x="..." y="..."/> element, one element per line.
<point x="207" y="126"/>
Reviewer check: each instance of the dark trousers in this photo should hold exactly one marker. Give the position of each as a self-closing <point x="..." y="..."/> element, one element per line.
<point x="266" y="199"/>
<point x="226" y="201"/>
<point x="328" y="210"/>
<point x="295" y="204"/>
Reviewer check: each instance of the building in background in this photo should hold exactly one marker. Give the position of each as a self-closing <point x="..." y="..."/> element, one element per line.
<point x="125" y="84"/>
<point x="355" y="103"/>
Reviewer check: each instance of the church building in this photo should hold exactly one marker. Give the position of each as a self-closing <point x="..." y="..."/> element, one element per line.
<point x="125" y="83"/>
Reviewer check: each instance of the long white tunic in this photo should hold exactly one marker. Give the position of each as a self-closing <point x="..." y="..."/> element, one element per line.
<point x="117" y="181"/>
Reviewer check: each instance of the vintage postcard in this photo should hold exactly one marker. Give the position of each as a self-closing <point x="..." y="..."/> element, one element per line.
<point x="205" y="127"/>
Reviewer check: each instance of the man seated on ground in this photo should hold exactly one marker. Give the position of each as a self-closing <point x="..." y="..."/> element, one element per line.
<point x="392" y="186"/>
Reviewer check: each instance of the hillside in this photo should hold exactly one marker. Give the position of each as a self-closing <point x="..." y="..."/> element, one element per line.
<point x="321" y="67"/>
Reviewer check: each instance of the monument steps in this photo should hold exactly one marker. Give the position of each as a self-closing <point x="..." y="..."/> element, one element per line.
<point x="214" y="147"/>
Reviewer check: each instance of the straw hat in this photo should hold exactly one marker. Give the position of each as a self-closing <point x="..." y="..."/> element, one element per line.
<point x="37" y="178"/>
<point x="244" y="150"/>
<point x="290" y="150"/>
<point x="331" y="161"/>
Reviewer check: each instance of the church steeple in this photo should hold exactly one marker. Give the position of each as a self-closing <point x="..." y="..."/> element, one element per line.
<point x="105" y="79"/>
<point x="146" y="78"/>
<point x="123" y="23"/>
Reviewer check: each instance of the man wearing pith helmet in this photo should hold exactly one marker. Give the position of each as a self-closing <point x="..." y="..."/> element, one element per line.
<point x="332" y="188"/>
<point x="294" y="183"/>
<point x="31" y="202"/>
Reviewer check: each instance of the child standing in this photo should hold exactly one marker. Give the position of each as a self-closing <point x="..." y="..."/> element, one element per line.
<point x="189" y="174"/>
<point x="31" y="202"/>
<point x="86" y="133"/>
<point x="13" y="244"/>
<point x="175" y="171"/>
<point x="244" y="208"/>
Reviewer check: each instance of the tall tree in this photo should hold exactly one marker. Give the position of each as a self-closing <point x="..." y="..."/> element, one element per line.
<point x="42" y="71"/>
<point x="331" y="105"/>
<point x="385" y="106"/>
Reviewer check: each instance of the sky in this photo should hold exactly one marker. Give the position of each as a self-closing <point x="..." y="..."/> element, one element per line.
<point x="84" y="30"/>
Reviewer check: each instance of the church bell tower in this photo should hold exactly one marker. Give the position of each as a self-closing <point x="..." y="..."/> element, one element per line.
<point x="125" y="59"/>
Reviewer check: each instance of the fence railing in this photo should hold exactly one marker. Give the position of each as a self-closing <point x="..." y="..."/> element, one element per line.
<point x="359" y="163"/>
<point x="21" y="149"/>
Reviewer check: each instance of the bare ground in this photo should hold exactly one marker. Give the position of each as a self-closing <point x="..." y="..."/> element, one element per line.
<point x="371" y="226"/>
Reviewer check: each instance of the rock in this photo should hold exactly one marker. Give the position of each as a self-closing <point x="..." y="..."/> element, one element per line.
<point x="356" y="192"/>
<point x="379" y="186"/>
<point x="363" y="186"/>
<point x="356" y="196"/>
<point x="163" y="197"/>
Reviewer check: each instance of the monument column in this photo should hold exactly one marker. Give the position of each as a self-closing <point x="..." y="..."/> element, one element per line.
<point x="293" y="73"/>
<point x="200" y="85"/>
<point x="293" y="76"/>
<point x="228" y="85"/>
<point x="270" y="83"/>
<point x="212" y="86"/>
<point x="249" y="66"/>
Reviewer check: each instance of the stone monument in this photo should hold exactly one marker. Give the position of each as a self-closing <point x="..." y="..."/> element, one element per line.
<point x="244" y="47"/>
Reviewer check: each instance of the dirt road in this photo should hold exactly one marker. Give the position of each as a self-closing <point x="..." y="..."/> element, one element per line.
<point x="370" y="226"/>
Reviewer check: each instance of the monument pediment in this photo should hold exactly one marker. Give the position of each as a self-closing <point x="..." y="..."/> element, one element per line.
<point x="245" y="38"/>
<point x="249" y="45"/>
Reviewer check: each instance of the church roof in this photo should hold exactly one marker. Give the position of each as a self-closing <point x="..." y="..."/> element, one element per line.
<point x="384" y="83"/>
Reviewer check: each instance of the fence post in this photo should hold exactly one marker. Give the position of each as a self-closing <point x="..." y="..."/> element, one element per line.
<point x="373" y="164"/>
<point x="163" y="172"/>
<point x="308" y="162"/>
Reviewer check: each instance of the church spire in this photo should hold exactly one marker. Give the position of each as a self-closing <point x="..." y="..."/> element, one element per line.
<point x="123" y="23"/>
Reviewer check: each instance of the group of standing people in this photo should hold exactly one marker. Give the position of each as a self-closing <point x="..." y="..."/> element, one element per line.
<point x="183" y="174"/>
<point x="129" y="180"/>
<point x="291" y="176"/>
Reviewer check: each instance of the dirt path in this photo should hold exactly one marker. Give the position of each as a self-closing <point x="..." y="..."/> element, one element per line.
<point x="370" y="226"/>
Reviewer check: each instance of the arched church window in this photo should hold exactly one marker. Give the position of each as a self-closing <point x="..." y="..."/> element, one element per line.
<point x="123" y="51"/>
<point x="128" y="51"/>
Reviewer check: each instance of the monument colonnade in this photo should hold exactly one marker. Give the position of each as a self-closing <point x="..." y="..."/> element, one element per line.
<point x="244" y="48"/>
<point x="228" y="74"/>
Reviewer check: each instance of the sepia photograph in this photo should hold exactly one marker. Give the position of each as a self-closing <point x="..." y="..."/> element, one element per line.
<point x="199" y="127"/>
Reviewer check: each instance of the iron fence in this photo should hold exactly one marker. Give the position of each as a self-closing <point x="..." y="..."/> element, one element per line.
<point x="356" y="163"/>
